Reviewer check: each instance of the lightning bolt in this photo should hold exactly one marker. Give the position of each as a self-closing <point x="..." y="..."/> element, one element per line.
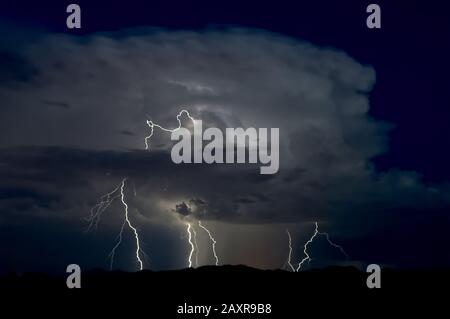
<point x="213" y="241"/>
<point x="190" y="243"/>
<point x="97" y="211"/>
<point x="152" y="126"/>
<point x="194" y="233"/>
<point x="327" y="236"/>
<point x="307" y="257"/>
<point x="112" y="254"/>
<point x="305" y="248"/>
<point x="290" y="251"/>
<point x="136" y="235"/>
<point x="107" y="199"/>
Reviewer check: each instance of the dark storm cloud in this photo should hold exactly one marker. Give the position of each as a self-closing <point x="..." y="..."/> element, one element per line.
<point x="317" y="97"/>
<point x="72" y="177"/>
<point x="183" y="209"/>
<point x="76" y="127"/>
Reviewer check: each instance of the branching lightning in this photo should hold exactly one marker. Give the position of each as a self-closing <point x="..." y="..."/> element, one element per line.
<point x="307" y="257"/>
<point x="96" y="213"/>
<point x="192" y="235"/>
<point x="152" y="126"/>
<point x="136" y="235"/>
<point x="213" y="241"/>
<point x="327" y="236"/>
<point x="305" y="248"/>
<point x="107" y="199"/>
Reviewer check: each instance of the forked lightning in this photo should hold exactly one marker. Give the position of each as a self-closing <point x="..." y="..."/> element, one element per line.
<point x="97" y="211"/>
<point x="307" y="257"/>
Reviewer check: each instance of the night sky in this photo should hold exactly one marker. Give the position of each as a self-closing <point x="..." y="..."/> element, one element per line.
<point x="363" y="117"/>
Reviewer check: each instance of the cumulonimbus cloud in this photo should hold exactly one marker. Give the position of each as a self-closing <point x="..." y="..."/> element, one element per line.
<point x="91" y="97"/>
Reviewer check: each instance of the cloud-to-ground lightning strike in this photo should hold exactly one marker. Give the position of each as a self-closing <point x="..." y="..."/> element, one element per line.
<point x="305" y="248"/>
<point x="307" y="258"/>
<point x="213" y="241"/>
<point x="98" y="209"/>
<point x="290" y="251"/>
<point x="191" y="244"/>
<point x="136" y="235"/>
<point x="152" y="126"/>
<point x="194" y="233"/>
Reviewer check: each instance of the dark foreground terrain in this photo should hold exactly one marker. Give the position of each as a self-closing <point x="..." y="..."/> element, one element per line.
<point x="164" y="294"/>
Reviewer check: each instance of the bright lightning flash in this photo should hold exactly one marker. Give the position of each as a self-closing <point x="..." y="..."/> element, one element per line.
<point x="136" y="235"/>
<point x="98" y="209"/>
<point x="189" y="231"/>
<point x="152" y="126"/>
<point x="307" y="258"/>
<point x="192" y="235"/>
<point x="305" y="248"/>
